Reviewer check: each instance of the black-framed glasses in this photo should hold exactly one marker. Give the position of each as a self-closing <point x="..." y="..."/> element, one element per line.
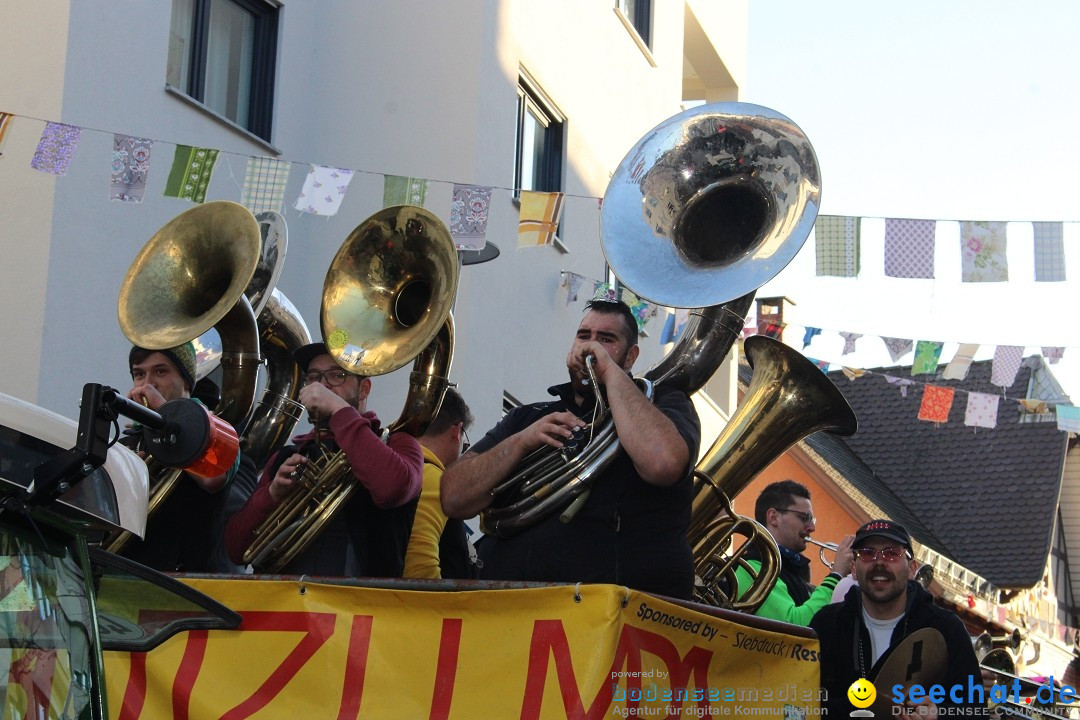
<point x="806" y="517"/>
<point x="333" y="376"/>
<point x="466" y="444"/>
<point x="889" y="554"/>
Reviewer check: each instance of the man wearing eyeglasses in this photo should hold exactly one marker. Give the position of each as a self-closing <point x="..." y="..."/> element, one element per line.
<point x="784" y="509"/>
<point x="369" y="536"/>
<point x="877" y="615"/>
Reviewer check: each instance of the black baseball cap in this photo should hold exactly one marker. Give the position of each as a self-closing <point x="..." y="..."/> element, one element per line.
<point x="886" y="529"/>
<point x="304" y="355"/>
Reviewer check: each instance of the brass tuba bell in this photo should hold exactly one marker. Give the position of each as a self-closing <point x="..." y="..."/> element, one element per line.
<point x="188" y="278"/>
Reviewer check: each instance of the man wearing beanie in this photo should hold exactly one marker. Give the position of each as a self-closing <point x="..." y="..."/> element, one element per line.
<point x="180" y="534"/>
<point x="877" y="615"/>
<point x="369" y="535"/>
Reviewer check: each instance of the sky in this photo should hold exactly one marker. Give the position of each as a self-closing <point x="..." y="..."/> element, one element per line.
<point x="958" y="110"/>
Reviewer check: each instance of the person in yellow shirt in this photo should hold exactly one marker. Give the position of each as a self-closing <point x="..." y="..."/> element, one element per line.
<point x="439" y="546"/>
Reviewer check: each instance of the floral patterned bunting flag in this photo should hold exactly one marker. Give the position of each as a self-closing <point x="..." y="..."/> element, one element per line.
<point x="469" y="217"/>
<point x="399" y="190"/>
<point x="926" y="357"/>
<point x="130" y="167"/>
<point x="936" y="403"/>
<point x="982" y="247"/>
<point x="190" y="174"/>
<point x="324" y="189"/>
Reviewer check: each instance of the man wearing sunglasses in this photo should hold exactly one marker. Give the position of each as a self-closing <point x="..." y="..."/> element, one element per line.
<point x="876" y="616"/>
<point x="368" y="537"/>
<point x="784" y="509"/>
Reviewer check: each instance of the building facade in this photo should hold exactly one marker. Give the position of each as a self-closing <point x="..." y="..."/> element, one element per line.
<point x="502" y="93"/>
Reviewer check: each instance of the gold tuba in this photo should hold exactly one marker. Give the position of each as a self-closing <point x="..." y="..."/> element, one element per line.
<point x="386" y="302"/>
<point x="703" y="210"/>
<point x="788" y="398"/>
<point x="190" y="277"/>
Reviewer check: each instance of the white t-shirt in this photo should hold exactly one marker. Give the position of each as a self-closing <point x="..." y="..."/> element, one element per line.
<point x="880" y="634"/>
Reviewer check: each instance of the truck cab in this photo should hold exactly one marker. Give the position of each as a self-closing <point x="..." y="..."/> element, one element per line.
<point x="62" y="600"/>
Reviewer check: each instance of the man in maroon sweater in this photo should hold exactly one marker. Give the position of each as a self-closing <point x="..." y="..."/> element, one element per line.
<point x="369" y="535"/>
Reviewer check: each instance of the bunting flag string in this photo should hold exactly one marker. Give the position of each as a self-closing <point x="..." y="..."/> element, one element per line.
<point x="982" y="407"/>
<point x="909" y="244"/>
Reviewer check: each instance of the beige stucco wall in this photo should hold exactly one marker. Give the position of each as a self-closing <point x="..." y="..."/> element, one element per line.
<point x="33" y="50"/>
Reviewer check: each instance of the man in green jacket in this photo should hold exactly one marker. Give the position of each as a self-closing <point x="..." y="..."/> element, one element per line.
<point x="784" y="509"/>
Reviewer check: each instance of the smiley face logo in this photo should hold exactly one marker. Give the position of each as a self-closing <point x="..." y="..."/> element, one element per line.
<point x="862" y="693"/>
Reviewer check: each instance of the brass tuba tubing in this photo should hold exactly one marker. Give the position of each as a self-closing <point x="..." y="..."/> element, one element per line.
<point x="281" y="331"/>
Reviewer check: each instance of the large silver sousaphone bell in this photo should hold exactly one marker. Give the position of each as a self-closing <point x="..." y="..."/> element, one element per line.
<point x="710" y="205"/>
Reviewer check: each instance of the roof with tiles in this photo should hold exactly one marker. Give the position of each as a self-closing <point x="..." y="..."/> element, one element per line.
<point x="985" y="497"/>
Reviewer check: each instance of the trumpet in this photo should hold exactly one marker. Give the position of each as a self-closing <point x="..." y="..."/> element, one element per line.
<point x="824" y="546"/>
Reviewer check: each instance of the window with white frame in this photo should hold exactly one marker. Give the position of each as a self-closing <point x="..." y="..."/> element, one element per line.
<point x="222" y="54"/>
<point x="539" y="156"/>
<point x="538" y="160"/>
<point x="639" y="13"/>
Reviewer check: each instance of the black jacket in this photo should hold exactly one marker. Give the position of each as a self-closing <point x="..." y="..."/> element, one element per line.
<point x="837" y="625"/>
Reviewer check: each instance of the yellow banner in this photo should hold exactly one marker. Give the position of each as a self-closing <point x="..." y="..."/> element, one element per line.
<point x="326" y="651"/>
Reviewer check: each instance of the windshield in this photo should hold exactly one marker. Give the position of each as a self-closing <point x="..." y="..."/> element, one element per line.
<point x="46" y="643"/>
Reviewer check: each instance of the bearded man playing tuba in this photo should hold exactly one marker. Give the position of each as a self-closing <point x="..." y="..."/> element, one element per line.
<point x="369" y="535"/>
<point x="631" y="530"/>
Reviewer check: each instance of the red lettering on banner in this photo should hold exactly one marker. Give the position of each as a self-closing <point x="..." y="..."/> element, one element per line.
<point x="194" y="652"/>
<point x="135" y="692"/>
<point x="317" y="629"/>
<point x="550" y="635"/>
<point x="352" y="691"/>
<point x="446" y="670"/>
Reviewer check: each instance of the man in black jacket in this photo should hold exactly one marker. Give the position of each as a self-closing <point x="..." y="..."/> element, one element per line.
<point x="877" y="614"/>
